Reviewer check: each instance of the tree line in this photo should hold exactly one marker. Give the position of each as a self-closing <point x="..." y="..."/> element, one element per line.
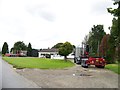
<point x="64" y="49"/>
<point x="106" y="45"/>
<point x="18" y="47"/>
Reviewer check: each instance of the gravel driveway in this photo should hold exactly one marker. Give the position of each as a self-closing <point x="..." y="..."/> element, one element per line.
<point x="74" y="77"/>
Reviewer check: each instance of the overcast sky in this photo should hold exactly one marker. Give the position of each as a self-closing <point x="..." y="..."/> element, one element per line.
<point x="44" y="23"/>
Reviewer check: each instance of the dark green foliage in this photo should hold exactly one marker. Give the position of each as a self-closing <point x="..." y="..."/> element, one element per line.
<point x="5" y="48"/>
<point x="115" y="12"/>
<point x="65" y="49"/>
<point x="95" y="37"/>
<point x="114" y="41"/>
<point x="34" y="53"/>
<point x="18" y="46"/>
<point x="57" y="46"/>
<point x="73" y="46"/>
<point x="11" y="50"/>
<point x="29" y="50"/>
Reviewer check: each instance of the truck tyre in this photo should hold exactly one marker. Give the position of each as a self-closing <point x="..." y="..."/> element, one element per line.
<point x="77" y="62"/>
<point x="102" y="66"/>
<point x="74" y="60"/>
<point x="85" y="66"/>
<point x="97" y="66"/>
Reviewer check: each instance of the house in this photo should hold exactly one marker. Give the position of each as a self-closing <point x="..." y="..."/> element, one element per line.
<point x="52" y="53"/>
<point x="23" y="53"/>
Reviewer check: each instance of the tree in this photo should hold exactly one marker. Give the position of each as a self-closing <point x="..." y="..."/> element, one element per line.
<point x="95" y="36"/>
<point x="115" y="33"/>
<point x="104" y="45"/>
<point x="34" y="53"/>
<point x="18" y="46"/>
<point x="111" y="54"/>
<point x="86" y="38"/>
<point x="65" y="49"/>
<point x="5" y="48"/>
<point x="11" y="50"/>
<point x="29" y="50"/>
<point x="57" y="46"/>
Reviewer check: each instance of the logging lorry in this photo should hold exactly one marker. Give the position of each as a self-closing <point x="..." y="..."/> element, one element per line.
<point x="82" y="57"/>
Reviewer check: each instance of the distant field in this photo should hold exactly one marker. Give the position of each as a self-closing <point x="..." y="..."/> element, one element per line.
<point x="113" y="67"/>
<point x="42" y="63"/>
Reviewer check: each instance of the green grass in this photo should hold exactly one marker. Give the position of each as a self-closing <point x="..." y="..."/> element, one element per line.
<point x="113" y="67"/>
<point x="42" y="63"/>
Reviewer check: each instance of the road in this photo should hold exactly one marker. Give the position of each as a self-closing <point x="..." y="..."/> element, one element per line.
<point x="11" y="79"/>
<point x="74" y="77"/>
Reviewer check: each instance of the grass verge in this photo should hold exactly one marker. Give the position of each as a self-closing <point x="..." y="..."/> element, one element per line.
<point x="42" y="63"/>
<point x="113" y="67"/>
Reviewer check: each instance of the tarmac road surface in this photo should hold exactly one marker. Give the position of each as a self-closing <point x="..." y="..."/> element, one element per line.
<point x="11" y="79"/>
<point x="74" y="77"/>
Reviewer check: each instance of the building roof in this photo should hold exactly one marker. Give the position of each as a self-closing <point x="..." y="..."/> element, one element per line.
<point x="49" y="50"/>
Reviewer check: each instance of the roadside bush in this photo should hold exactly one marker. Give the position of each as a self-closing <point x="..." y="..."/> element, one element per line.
<point x="3" y="55"/>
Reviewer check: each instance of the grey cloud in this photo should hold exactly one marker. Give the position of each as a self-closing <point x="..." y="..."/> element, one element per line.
<point x="13" y="26"/>
<point x="47" y="16"/>
<point x="100" y="7"/>
<point x="39" y="11"/>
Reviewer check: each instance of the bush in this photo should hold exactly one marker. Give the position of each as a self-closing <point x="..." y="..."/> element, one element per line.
<point x="3" y="55"/>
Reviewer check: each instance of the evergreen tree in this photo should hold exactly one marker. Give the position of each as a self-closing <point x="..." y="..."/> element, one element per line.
<point x="95" y="36"/>
<point x="5" y="48"/>
<point x="29" y="50"/>
<point x="114" y="50"/>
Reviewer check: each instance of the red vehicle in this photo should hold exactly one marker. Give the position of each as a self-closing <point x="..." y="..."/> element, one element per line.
<point x="85" y="60"/>
<point x="12" y="55"/>
<point x="97" y="61"/>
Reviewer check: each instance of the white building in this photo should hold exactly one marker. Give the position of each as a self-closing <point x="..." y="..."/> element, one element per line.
<point x="52" y="53"/>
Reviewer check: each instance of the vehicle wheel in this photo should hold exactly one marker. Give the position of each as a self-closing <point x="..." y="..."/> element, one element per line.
<point x="97" y="66"/>
<point x="84" y="66"/>
<point x="102" y="66"/>
<point x="77" y="62"/>
<point x="74" y="61"/>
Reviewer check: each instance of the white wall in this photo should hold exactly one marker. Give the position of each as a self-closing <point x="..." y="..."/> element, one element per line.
<point x="57" y="57"/>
